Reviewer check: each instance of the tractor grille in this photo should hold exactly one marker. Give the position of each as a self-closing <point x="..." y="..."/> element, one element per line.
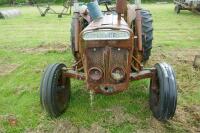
<point x="95" y="57"/>
<point x="107" y="58"/>
<point x="118" y="57"/>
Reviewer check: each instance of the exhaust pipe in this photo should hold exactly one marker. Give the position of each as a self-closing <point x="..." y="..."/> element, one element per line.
<point x="121" y="8"/>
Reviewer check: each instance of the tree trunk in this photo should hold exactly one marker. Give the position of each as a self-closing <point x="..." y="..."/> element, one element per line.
<point x="12" y="2"/>
<point x="30" y="2"/>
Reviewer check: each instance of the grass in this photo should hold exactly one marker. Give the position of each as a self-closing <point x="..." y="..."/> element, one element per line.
<point x="20" y="41"/>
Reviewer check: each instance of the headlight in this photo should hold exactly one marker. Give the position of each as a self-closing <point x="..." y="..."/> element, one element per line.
<point x="118" y="74"/>
<point x="106" y="35"/>
<point x="95" y="73"/>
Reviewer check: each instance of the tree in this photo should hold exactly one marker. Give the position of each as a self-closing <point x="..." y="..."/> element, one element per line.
<point x="31" y="2"/>
<point x="12" y="2"/>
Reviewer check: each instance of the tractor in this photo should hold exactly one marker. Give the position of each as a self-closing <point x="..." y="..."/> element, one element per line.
<point x="110" y="49"/>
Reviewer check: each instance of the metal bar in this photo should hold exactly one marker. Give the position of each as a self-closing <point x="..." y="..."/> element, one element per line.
<point x="139" y="29"/>
<point x="76" y="30"/>
<point x="142" y="74"/>
<point x="138" y="49"/>
<point x="135" y="59"/>
<point x="133" y="67"/>
<point x="74" y="74"/>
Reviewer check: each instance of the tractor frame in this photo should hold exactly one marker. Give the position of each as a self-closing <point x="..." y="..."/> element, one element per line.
<point x="107" y="66"/>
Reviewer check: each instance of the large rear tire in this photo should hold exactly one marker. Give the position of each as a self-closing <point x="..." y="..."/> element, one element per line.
<point x="147" y="31"/>
<point x="54" y="91"/>
<point x="163" y="99"/>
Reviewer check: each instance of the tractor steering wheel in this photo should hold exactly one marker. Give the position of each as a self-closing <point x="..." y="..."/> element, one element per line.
<point x="105" y="2"/>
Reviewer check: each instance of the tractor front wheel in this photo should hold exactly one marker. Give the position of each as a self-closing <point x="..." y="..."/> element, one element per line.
<point x="55" y="90"/>
<point x="163" y="97"/>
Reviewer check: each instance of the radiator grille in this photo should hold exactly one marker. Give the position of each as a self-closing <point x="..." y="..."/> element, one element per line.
<point x="115" y="57"/>
<point x="118" y="57"/>
<point x="95" y="57"/>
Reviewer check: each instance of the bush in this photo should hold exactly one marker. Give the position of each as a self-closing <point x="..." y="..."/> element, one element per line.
<point x="3" y="1"/>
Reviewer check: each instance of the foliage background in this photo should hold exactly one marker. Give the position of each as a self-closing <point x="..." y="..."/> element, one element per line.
<point x="2" y="2"/>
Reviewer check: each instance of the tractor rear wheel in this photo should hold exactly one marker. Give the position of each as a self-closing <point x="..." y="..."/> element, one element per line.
<point x="163" y="99"/>
<point x="54" y="90"/>
<point x="147" y="31"/>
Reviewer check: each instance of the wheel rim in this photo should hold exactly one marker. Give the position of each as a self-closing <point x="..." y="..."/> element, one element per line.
<point x="154" y="96"/>
<point x="61" y="94"/>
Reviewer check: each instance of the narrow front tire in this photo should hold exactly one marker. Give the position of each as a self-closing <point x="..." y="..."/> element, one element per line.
<point x="55" y="90"/>
<point x="163" y="98"/>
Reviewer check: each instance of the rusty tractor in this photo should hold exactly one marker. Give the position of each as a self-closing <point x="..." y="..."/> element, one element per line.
<point x="110" y="49"/>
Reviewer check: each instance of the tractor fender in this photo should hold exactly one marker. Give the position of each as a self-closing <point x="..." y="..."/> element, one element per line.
<point x="131" y="14"/>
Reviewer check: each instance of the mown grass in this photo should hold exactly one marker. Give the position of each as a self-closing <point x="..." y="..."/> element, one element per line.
<point x="19" y="90"/>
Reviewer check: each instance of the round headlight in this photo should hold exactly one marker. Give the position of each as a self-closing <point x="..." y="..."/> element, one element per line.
<point x="95" y="73"/>
<point x="118" y="74"/>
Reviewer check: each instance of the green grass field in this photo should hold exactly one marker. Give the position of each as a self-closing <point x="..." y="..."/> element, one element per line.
<point x="29" y="43"/>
